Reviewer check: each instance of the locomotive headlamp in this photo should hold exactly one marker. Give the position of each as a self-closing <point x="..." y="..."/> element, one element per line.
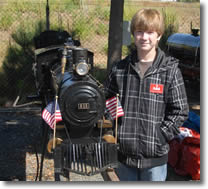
<point x="82" y="68"/>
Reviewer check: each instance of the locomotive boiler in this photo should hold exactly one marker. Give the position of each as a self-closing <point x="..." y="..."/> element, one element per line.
<point x="186" y="47"/>
<point x="63" y="70"/>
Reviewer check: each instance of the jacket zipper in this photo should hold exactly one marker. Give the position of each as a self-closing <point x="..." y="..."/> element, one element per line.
<point x="138" y="108"/>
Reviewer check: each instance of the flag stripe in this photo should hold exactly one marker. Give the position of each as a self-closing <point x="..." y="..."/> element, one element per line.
<point x="111" y="106"/>
<point x="49" y="114"/>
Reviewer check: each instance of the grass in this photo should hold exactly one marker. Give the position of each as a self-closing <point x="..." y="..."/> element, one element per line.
<point x="6" y="21"/>
<point x="80" y="25"/>
<point x="21" y="20"/>
<point x="79" y="17"/>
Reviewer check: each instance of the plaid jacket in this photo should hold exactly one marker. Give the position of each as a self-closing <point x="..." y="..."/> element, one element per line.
<point x="154" y="107"/>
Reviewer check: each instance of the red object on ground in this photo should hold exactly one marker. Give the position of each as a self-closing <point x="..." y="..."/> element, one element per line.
<point x="184" y="155"/>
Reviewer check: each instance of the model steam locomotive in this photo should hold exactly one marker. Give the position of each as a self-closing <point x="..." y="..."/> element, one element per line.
<point x="63" y="69"/>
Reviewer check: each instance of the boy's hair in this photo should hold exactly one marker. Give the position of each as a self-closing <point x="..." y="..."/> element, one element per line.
<point x="147" y="20"/>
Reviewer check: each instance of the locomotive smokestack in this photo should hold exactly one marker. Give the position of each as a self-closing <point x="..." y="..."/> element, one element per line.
<point x="194" y="31"/>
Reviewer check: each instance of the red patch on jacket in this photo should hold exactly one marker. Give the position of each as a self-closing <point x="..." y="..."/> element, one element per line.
<point x="156" y="88"/>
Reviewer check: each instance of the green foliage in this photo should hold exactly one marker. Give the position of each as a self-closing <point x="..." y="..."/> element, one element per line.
<point x="101" y="29"/>
<point x="189" y="1"/>
<point x="76" y="2"/>
<point x="103" y="13"/>
<point x="19" y="59"/>
<point x="62" y="5"/>
<point x="18" y="62"/>
<point x="100" y="73"/>
<point x="6" y="21"/>
<point x="22" y="38"/>
<point x="26" y="19"/>
<point x="100" y="16"/>
<point x="105" y="48"/>
<point x="22" y="6"/>
<point x="125" y="50"/>
<point x="82" y="26"/>
<point x="129" y="11"/>
<point x="171" y="26"/>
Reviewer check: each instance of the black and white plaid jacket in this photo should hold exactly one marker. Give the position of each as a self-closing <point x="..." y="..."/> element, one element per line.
<point x="154" y="107"/>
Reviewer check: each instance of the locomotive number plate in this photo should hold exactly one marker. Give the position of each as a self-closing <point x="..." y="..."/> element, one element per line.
<point x="83" y="106"/>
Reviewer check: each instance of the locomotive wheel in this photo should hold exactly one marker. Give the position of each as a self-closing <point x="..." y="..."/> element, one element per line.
<point x="109" y="138"/>
<point x="58" y="141"/>
<point x="62" y="177"/>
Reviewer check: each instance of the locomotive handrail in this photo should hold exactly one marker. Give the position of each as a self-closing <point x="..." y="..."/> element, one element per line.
<point x="46" y="49"/>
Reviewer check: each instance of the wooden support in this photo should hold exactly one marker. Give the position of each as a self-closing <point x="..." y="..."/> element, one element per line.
<point x="110" y="175"/>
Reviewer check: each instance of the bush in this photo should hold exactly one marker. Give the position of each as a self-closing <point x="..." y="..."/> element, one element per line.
<point x="171" y="26"/>
<point x="16" y="75"/>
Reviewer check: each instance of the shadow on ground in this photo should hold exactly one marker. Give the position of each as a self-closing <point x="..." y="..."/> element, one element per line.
<point x="19" y="133"/>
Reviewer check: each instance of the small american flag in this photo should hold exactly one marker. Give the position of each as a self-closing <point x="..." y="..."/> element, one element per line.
<point x="111" y="106"/>
<point x="49" y="115"/>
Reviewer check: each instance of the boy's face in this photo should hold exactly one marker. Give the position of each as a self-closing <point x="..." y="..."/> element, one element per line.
<point x="146" y="40"/>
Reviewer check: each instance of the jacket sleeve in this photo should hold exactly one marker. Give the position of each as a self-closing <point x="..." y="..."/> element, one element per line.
<point x="177" y="108"/>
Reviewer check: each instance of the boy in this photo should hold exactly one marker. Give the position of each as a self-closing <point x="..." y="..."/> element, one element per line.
<point x="153" y="96"/>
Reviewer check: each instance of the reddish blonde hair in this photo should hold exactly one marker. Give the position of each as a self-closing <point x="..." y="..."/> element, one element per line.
<point x="147" y="20"/>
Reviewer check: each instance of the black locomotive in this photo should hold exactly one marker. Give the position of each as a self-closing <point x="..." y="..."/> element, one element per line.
<point x="63" y="69"/>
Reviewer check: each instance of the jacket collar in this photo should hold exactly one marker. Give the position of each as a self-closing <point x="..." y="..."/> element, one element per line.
<point x="159" y="64"/>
